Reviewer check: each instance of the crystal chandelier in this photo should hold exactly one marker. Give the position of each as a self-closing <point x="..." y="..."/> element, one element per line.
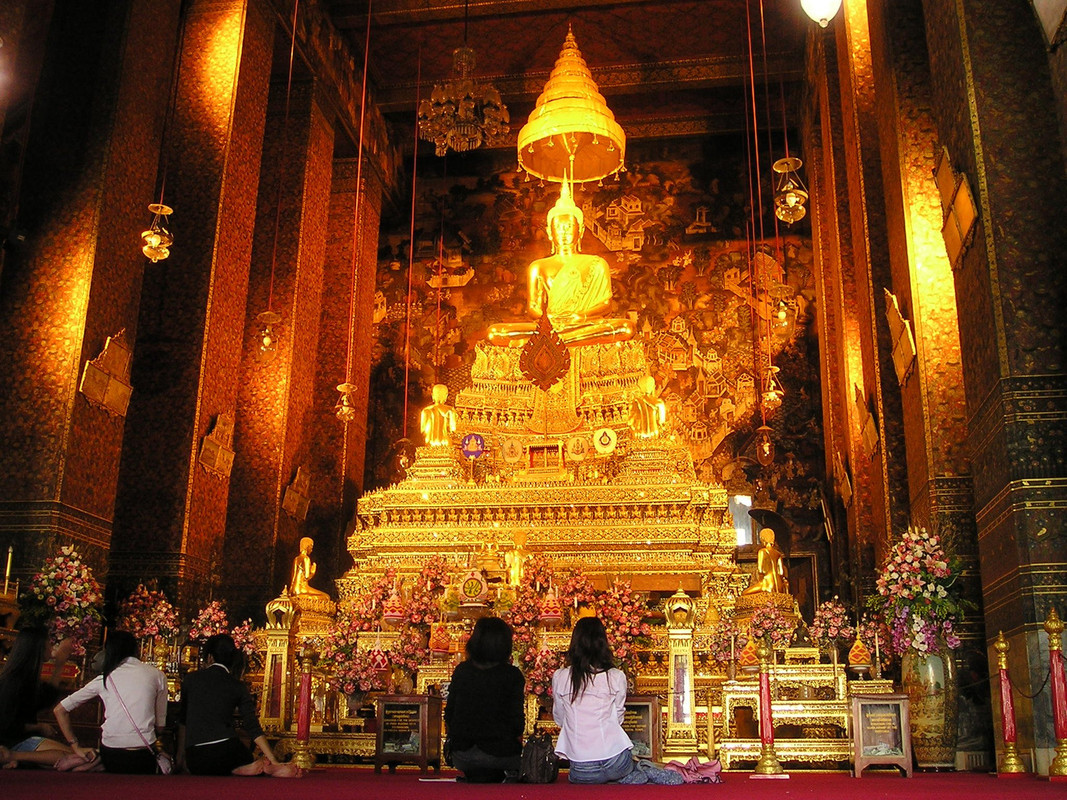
<point x="461" y="114"/>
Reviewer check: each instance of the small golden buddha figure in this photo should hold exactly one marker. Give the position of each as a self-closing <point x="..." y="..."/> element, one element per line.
<point x="575" y="287"/>
<point x="438" y="421"/>
<point x="770" y="567"/>
<point x="516" y="559"/>
<point x="647" y="412"/>
<point x="304" y="570"/>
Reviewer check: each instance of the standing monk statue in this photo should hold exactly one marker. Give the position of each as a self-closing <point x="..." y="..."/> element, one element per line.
<point x="438" y="422"/>
<point x="574" y="287"/>
<point x="770" y="567"/>
<point x="647" y="412"/>
<point x="304" y="571"/>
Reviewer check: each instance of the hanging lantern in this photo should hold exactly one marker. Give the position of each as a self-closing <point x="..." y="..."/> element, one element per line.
<point x="822" y="11"/>
<point x="790" y="196"/>
<point x="764" y="445"/>
<point x="157" y="239"/>
<point x="268" y="340"/>
<point x="772" y="393"/>
<point x="345" y="408"/>
<point x="393" y="609"/>
<point x="571" y="133"/>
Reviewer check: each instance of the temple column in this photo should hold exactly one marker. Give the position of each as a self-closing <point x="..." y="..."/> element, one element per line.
<point x="338" y="449"/>
<point x="996" y="113"/>
<point x="88" y="149"/>
<point x="931" y="383"/>
<point x="275" y="397"/>
<point x="171" y="508"/>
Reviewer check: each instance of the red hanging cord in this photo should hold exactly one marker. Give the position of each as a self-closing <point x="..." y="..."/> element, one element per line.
<point x="411" y="247"/>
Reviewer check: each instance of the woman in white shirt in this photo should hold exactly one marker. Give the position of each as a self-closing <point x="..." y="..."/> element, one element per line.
<point x="143" y="690"/>
<point x="589" y="699"/>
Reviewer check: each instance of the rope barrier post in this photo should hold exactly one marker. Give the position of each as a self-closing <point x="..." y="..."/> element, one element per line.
<point x="767" y="766"/>
<point x="302" y="755"/>
<point x="1010" y="765"/>
<point x="1057" y="770"/>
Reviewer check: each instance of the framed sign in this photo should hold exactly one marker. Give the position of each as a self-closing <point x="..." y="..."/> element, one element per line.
<point x="409" y="731"/>
<point x="881" y="732"/>
<point x="643" y="720"/>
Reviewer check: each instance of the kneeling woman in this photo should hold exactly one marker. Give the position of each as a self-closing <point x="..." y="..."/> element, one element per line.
<point x="207" y="741"/>
<point x="484" y="714"/>
<point x="588" y="702"/>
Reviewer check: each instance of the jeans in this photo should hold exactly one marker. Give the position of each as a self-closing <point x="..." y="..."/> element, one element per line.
<point x="478" y="766"/>
<point x="604" y="771"/>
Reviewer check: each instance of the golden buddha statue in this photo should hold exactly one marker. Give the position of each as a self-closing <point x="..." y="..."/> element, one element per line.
<point x="303" y="571"/>
<point x="770" y="567"/>
<point x="647" y="412"/>
<point x="574" y="287"/>
<point x="438" y="421"/>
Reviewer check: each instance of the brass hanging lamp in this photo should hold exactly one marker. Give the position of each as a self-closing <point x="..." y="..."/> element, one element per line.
<point x="571" y="133"/>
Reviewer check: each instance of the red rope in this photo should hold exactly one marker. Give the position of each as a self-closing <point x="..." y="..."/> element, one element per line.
<point x="411" y="246"/>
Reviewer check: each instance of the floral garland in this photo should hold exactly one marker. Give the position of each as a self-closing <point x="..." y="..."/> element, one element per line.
<point x="367" y="608"/>
<point x="147" y="613"/>
<point x="351" y="671"/>
<point x="411" y="650"/>
<point x="725" y="641"/>
<point x="831" y="624"/>
<point x="539" y="674"/>
<point x="622" y="612"/>
<point x="917" y="594"/>
<point x="209" y="621"/>
<point x="770" y="625"/>
<point x="424" y="607"/>
<point x="68" y="598"/>
<point x="243" y="638"/>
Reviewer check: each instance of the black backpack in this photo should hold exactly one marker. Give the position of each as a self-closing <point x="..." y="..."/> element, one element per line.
<point x="540" y="764"/>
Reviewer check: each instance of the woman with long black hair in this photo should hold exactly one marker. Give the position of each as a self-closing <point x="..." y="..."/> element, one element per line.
<point x="588" y="703"/>
<point x="135" y="708"/>
<point x="207" y="741"/>
<point x="22" y="694"/>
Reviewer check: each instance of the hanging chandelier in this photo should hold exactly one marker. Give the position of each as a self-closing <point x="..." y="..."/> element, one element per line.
<point x="157" y="239"/>
<point x="822" y="11"/>
<point x="790" y="195"/>
<point x="461" y="114"/>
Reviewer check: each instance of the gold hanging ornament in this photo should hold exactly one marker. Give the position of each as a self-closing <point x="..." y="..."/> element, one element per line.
<point x="346" y="407"/>
<point x="790" y="195"/>
<point x="571" y="133"/>
<point x="157" y="239"/>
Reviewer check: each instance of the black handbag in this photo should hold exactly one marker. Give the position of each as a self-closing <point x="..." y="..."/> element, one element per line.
<point x="539" y="762"/>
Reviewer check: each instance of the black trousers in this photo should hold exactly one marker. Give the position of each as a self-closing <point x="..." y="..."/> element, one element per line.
<point x="129" y="761"/>
<point x="218" y="758"/>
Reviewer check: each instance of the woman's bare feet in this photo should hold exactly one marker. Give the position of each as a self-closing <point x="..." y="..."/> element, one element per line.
<point x="257" y="767"/>
<point x="7" y="759"/>
<point x="287" y="770"/>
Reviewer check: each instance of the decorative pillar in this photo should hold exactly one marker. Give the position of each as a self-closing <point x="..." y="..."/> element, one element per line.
<point x="170" y="514"/>
<point x="1057" y="770"/>
<point x="274" y="713"/>
<point x="767" y="766"/>
<point x="681" y="715"/>
<point x="97" y="85"/>
<point x="302" y="755"/>
<point x="1010" y="763"/>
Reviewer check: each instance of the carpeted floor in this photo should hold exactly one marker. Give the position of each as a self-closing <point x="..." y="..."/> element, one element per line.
<point x="363" y="784"/>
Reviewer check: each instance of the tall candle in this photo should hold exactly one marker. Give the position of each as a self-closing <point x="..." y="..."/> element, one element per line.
<point x="7" y="570"/>
<point x="733" y="642"/>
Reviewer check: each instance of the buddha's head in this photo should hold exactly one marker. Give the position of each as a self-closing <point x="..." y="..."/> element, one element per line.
<point x="766" y="536"/>
<point x="306" y="545"/>
<point x="439" y="393"/>
<point x="566" y="222"/>
<point x="647" y="384"/>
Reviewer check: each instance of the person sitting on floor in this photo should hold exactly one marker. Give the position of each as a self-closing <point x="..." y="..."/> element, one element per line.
<point x="589" y="700"/>
<point x="207" y="741"/>
<point x="484" y="715"/>
<point x="24" y="740"/>
<point x="135" y="708"/>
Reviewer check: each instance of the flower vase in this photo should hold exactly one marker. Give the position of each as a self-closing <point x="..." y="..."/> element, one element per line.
<point x="930" y="682"/>
<point x="160" y="651"/>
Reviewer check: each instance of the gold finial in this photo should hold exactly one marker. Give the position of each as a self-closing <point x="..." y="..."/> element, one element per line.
<point x="1054" y="628"/>
<point x="1001" y="647"/>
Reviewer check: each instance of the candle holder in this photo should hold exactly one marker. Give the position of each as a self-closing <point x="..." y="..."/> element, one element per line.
<point x="1010" y="764"/>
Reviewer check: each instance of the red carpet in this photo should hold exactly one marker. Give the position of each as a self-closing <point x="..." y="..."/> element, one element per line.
<point x="363" y="784"/>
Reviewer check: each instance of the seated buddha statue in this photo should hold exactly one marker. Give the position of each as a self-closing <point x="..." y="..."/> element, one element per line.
<point x="303" y="571"/>
<point x="770" y="567"/>
<point x="574" y="288"/>
<point x="438" y="421"/>
<point x="647" y="412"/>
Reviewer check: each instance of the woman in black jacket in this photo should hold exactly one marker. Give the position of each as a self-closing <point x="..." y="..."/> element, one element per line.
<point x="484" y="715"/>
<point x="207" y="741"/>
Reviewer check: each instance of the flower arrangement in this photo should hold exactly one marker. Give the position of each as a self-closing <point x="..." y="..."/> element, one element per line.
<point x="726" y="641"/>
<point x="622" y="612"/>
<point x="147" y="614"/>
<point x="411" y="650"/>
<point x="770" y="625"/>
<point x="916" y="593"/>
<point x="351" y="670"/>
<point x="243" y="638"/>
<point x="210" y="620"/>
<point x="539" y="675"/>
<point x="425" y="605"/>
<point x="367" y="608"/>
<point x="69" y="598"/>
<point x="831" y="624"/>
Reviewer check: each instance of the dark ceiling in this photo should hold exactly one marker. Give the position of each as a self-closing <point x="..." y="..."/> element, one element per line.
<point x="666" y="67"/>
